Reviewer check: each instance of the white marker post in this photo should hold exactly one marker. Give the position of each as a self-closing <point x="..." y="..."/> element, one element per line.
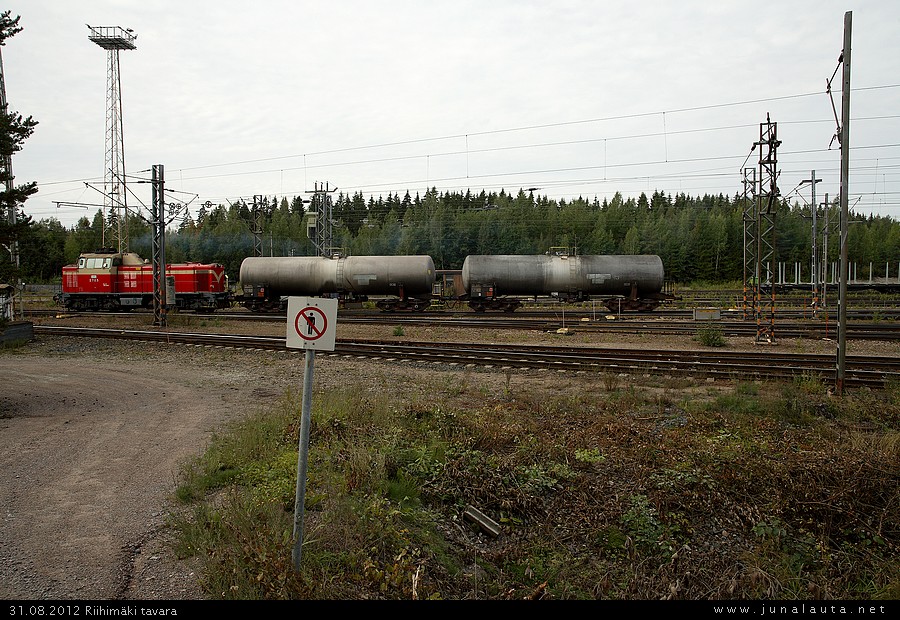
<point x="311" y="325"/>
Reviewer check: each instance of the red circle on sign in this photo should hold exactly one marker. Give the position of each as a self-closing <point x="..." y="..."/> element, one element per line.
<point x="310" y="330"/>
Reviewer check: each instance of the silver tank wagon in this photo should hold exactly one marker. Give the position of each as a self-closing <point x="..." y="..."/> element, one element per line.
<point x="408" y="279"/>
<point x="494" y="281"/>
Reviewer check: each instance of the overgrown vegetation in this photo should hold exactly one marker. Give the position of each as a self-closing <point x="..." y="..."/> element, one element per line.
<point x="754" y="491"/>
<point x="710" y="335"/>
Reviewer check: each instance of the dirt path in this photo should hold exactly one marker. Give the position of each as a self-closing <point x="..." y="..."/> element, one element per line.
<point x="89" y="449"/>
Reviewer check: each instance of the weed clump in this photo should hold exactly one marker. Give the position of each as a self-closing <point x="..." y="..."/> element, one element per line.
<point x="710" y="335"/>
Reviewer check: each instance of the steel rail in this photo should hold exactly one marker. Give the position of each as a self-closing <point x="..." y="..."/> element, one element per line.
<point x="869" y="371"/>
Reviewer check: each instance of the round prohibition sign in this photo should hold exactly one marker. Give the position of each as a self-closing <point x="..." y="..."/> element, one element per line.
<point x="310" y="323"/>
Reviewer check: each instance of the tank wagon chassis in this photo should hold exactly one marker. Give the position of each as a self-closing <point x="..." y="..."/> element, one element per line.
<point x="480" y="299"/>
<point x="256" y="298"/>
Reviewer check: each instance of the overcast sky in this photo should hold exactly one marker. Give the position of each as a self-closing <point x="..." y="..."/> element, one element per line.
<point x="575" y="97"/>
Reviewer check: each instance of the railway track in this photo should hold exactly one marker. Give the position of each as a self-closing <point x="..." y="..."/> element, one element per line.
<point x="860" y="371"/>
<point x="857" y="328"/>
<point x="784" y="329"/>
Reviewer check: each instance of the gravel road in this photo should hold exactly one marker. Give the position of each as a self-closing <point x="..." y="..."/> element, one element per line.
<point x="91" y="437"/>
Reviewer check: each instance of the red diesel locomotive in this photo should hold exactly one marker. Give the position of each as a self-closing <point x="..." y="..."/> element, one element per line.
<point x="109" y="280"/>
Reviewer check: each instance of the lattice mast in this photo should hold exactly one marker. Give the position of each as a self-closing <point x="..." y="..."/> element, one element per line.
<point x="256" y="225"/>
<point x="767" y="206"/>
<point x="320" y="222"/>
<point x="751" y="277"/>
<point x="160" y="301"/>
<point x="113" y="39"/>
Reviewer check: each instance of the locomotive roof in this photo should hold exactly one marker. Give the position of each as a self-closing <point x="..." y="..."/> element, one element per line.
<point x="128" y="258"/>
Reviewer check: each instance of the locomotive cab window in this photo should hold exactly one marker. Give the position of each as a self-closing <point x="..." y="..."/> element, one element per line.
<point x="94" y="263"/>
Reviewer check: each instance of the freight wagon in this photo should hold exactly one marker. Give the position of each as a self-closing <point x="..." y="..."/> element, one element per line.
<point x="486" y="282"/>
<point x="392" y="282"/>
<point x="622" y="282"/>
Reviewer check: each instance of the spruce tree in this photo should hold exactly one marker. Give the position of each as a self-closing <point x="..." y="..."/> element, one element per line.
<point x="14" y="130"/>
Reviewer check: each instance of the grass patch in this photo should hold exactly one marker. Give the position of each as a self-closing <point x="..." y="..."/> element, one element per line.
<point x="765" y="491"/>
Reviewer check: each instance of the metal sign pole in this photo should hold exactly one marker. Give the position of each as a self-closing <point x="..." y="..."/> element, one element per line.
<point x="310" y="326"/>
<point x="303" y="457"/>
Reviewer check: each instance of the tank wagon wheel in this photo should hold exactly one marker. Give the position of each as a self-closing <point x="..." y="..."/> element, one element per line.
<point x="614" y="305"/>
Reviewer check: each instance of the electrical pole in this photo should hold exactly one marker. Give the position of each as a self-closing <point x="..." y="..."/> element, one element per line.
<point x="322" y="233"/>
<point x="158" y="186"/>
<point x="767" y="209"/>
<point x="814" y="265"/>
<point x="256" y="225"/>
<point x="825" y="255"/>
<point x="751" y="277"/>
<point x="845" y="182"/>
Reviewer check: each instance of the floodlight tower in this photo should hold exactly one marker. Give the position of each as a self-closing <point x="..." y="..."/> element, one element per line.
<point x="113" y="39"/>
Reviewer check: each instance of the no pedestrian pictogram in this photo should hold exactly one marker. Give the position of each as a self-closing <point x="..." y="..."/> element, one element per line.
<point x="311" y="323"/>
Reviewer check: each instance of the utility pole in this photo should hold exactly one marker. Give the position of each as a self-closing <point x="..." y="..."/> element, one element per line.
<point x="766" y="210"/>
<point x="825" y="255"/>
<point x="256" y="226"/>
<point x="320" y="225"/>
<point x="751" y="277"/>
<point x="814" y="265"/>
<point x="845" y="182"/>
<point x="158" y="187"/>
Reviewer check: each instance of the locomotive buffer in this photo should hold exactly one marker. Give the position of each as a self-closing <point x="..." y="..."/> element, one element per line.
<point x="311" y="325"/>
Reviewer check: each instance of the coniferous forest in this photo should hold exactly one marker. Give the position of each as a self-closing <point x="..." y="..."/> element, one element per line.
<point x="700" y="239"/>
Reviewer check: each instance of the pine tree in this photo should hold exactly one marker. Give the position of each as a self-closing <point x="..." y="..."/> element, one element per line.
<point x="14" y="130"/>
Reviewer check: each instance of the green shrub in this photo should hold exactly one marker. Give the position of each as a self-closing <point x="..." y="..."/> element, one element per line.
<point x="711" y="336"/>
